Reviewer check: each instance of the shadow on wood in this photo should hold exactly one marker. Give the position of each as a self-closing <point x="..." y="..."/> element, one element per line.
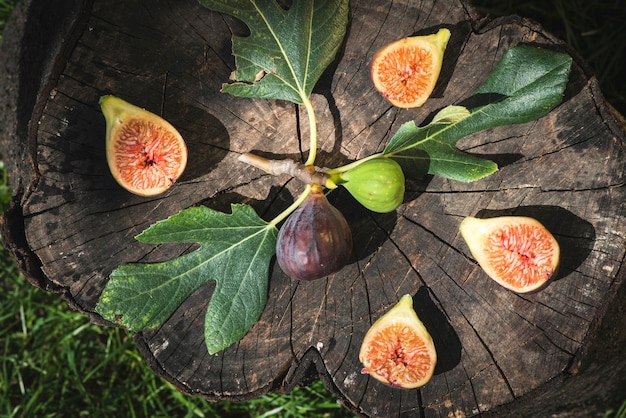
<point x="560" y="350"/>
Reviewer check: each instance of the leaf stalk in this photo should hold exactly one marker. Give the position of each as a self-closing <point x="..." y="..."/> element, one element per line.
<point x="284" y="214"/>
<point x="312" y="131"/>
<point x="344" y="168"/>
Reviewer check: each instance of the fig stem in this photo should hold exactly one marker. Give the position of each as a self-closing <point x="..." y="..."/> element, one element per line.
<point x="306" y="174"/>
<point x="296" y="203"/>
<point x="312" y="132"/>
<point x="344" y="168"/>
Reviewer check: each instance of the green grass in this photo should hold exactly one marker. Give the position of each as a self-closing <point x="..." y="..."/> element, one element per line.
<point x="620" y="413"/>
<point x="6" y="6"/>
<point x="54" y="363"/>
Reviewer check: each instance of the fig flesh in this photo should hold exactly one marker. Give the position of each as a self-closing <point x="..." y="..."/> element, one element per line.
<point x="378" y="184"/>
<point x="517" y="252"/>
<point x="145" y="153"/>
<point x="397" y="349"/>
<point x="406" y="71"/>
<point x="315" y="240"/>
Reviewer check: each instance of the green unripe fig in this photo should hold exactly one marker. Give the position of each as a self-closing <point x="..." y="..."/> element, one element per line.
<point x="378" y="184"/>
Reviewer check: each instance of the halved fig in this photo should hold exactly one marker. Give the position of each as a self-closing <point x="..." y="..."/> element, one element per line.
<point x="397" y="349"/>
<point x="315" y="240"/>
<point x="406" y="71"/>
<point x="146" y="154"/>
<point x="517" y="252"/>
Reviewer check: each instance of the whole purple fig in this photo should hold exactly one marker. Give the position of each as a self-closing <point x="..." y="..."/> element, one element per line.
<point x="315" y="240"/>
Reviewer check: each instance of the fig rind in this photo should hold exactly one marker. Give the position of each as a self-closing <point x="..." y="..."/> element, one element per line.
<point x="517" y="252"/>
<point x="145" y="153"/>
<point x="397" y="349"/>
<point x="378" y="184"/>
<point x="406" y="71"/>
<point x="315" y="240"/>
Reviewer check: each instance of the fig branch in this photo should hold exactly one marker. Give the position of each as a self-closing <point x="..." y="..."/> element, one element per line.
<point x="307" y="173"/>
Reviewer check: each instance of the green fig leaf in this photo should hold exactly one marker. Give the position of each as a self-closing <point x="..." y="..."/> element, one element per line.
<point x="235" y="251"/>
<point x="287" y="50"/>
<point x="525" y="85"/>
<point x="451" y="114"/>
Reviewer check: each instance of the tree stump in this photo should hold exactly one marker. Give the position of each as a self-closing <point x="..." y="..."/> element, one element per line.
<point x="560" y="350"/>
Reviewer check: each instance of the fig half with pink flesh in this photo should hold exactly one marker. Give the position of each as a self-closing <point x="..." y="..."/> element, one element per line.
<point x="397" y="349"/>
<point x="517" y="252"/>
<point x="406" y="71"/>
<point x="145" y="153"/>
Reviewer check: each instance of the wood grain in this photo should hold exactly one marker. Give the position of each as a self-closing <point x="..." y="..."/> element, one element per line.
<point x="71" y="224"/>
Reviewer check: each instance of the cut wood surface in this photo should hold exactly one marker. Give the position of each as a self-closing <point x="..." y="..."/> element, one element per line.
<point x="499" y="352"/>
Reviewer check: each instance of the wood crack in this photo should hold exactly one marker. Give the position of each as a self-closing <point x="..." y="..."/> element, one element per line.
<point x="491" y="355"/>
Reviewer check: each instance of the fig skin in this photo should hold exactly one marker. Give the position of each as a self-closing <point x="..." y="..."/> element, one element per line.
<point x="406" y="71"/>
<point x="397" y="349"/>
<point x="517" y="252"/>
<point x="315" y="240"/>
<point x="145" y="153"/>
<point x="378" y="184"/>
